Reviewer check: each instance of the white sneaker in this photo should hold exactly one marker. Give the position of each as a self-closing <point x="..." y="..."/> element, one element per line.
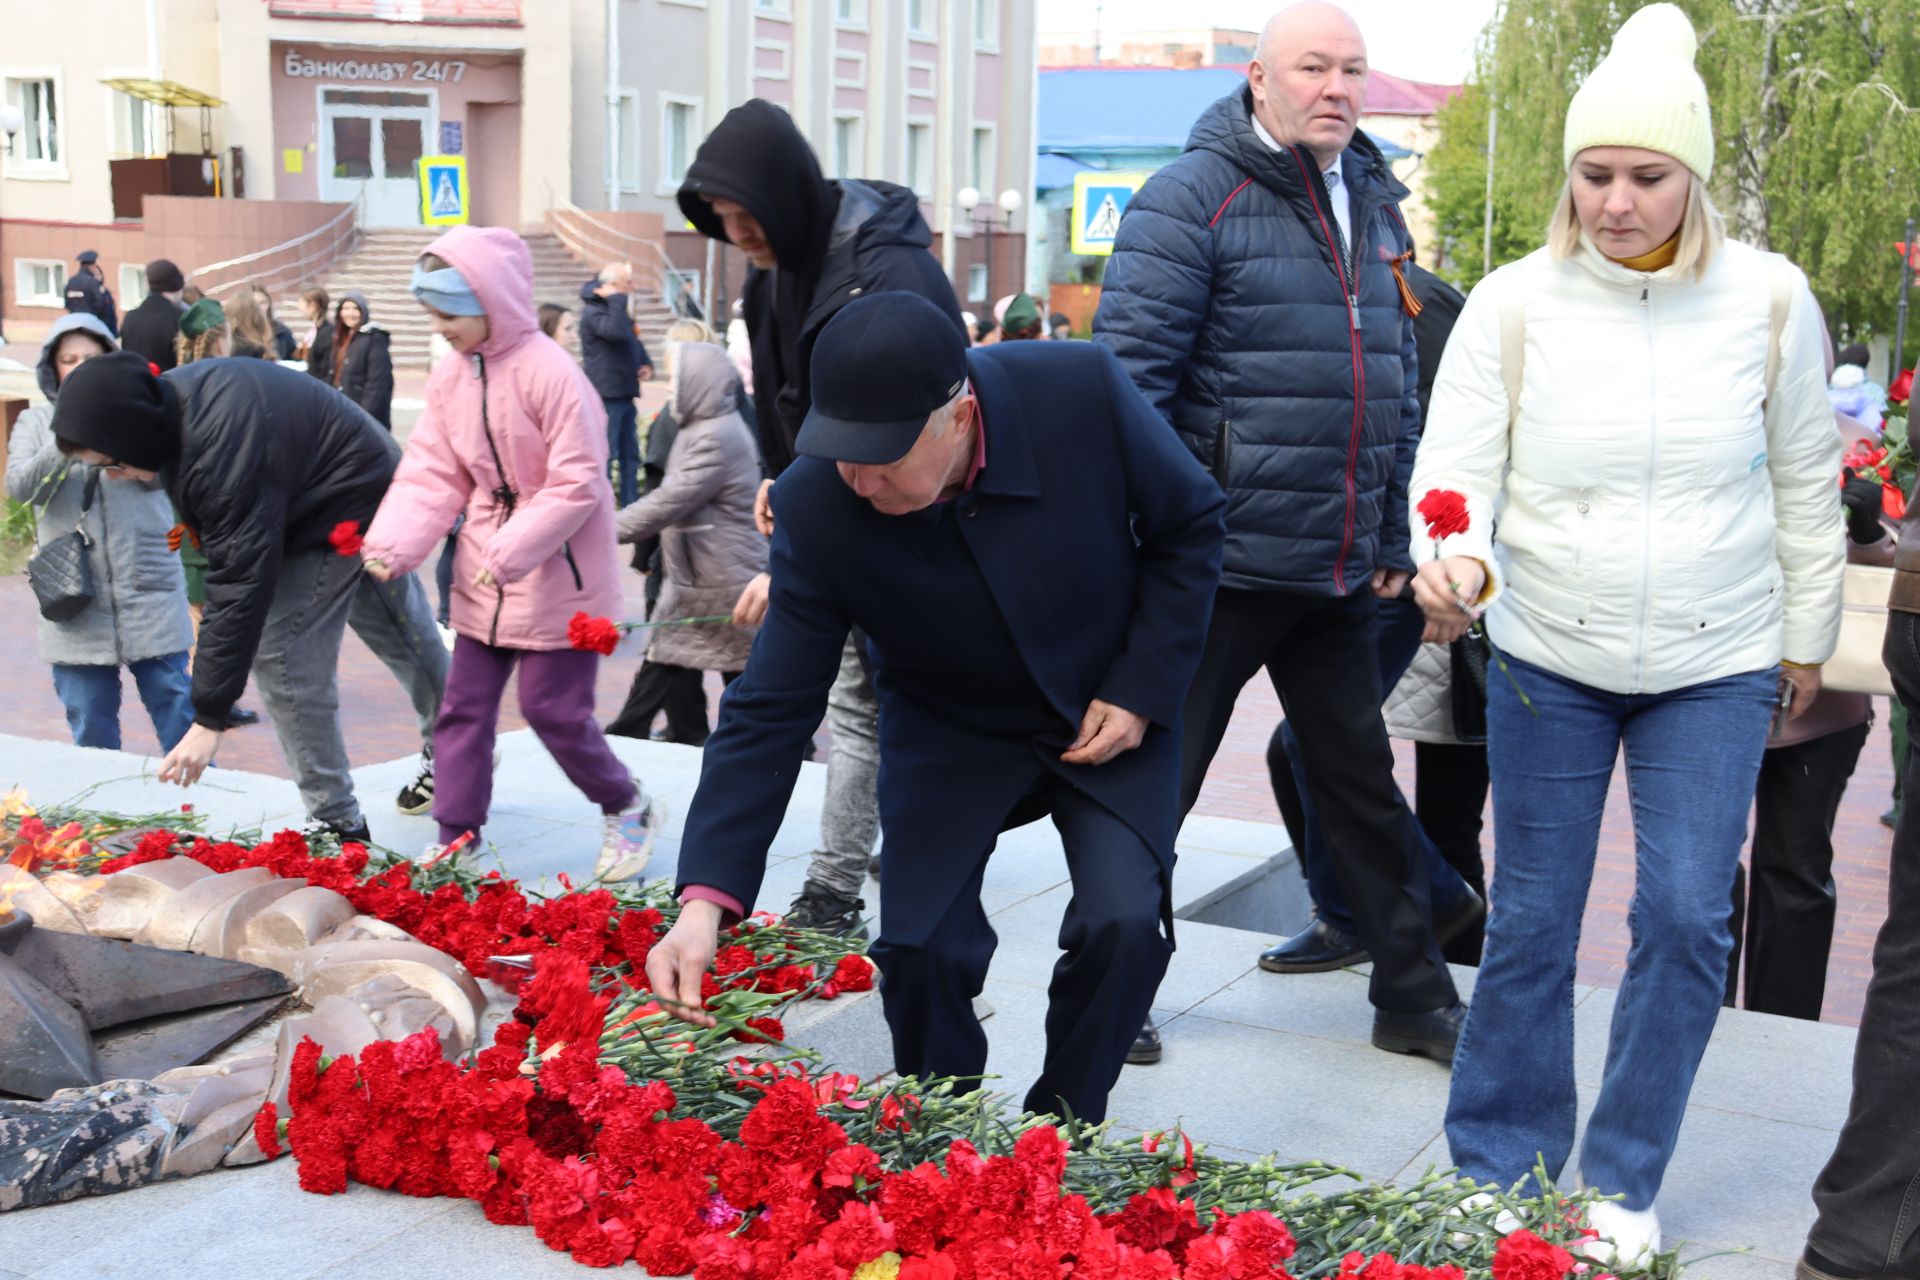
<point x="1626" y="1235"/>
<point x="626" y="840"/>
<point x="1506" y="1222"/>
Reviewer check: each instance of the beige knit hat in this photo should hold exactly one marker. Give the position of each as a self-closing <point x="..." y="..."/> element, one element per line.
<point x="1645" y="93"/>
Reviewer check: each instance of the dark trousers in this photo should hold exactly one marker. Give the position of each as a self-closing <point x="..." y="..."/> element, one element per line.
<point x="1869" y="1193"/>
<point x="623" y="449"/>
<point x="1785" y="914"/>
<point x="1319" y="653"/>
<point x="1102" y="988"/>
<point x="681" y="692"/>
<point x="1450" y="799"/>
<point x="1396" y="639"/>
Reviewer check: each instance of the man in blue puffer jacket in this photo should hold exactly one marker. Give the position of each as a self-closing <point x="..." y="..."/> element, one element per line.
<point x="1255" y="295"/>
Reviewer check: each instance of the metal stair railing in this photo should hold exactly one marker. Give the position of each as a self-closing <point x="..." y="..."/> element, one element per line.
<point x="313" y="252"/>
<point x="594" y="241"/>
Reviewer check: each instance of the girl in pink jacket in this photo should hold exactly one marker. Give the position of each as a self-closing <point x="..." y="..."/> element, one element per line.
<point x="513" y="435"/>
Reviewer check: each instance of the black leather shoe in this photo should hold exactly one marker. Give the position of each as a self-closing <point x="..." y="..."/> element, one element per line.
<point x="1469" y="915"/>
<point x="1813" y="1266"/>
<point x="1424" y="1035"/>
<point x="1146" y="1046"/>
<point x="240" y="718"/>
<point x="1319" y="948"/>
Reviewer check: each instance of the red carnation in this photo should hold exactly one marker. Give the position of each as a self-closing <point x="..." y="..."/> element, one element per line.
<point x="346" y="538"/>
<point x="1902" y="388"/>
<point x="596" y="635"/>
<point x="1525" y="1256"/>
<point x="1445" y="512"/>
<point x="266" y="1130"/>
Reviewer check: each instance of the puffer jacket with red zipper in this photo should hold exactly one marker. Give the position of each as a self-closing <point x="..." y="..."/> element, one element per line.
<point x="514" y="435"/>
<point x="1289" y="372"/>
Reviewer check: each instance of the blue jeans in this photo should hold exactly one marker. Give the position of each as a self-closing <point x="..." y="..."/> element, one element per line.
<point x="623" y="448"/>
<point x="91" y="695"/>
<point x="443" y="571"/>
<point x="1397" y="628"/>
<point x="1693" y="757"/>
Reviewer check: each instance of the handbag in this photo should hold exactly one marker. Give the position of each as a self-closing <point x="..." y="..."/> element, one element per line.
<point x="1856" y="665"/>
<point x="1467" y="658"/>
<point x="60" y="573"/>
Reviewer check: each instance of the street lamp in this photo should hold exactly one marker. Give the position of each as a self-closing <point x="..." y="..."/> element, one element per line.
<point x="968" y="198"/>
<point x="11" y="122"/>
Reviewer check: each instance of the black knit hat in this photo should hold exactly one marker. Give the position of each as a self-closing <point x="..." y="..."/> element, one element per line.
<point x="164" y="277"/>
<point x="1853" y="353"/>
<point x="117" y="405"/>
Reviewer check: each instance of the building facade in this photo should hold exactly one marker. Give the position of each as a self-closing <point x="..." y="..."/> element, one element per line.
<point x="1183" y="48"/>
<point x="324" y="104"/>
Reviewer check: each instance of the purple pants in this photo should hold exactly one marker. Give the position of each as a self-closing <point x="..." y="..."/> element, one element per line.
<point x="556" y="697"/>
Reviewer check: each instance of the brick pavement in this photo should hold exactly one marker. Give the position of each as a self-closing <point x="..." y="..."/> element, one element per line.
<point x="378" y="728"/>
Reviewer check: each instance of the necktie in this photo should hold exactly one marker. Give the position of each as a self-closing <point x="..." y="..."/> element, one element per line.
<point x="1332" y="179"/>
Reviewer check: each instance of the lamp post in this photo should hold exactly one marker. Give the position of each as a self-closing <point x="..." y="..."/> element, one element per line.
<point x="11" y="122"/>
<point x="968" y="198"/>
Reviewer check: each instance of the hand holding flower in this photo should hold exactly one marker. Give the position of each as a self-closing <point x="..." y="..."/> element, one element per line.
<point x="1443" y="590"/>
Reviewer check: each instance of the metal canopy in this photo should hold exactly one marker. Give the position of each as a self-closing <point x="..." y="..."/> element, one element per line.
<point x="167" y="93"/>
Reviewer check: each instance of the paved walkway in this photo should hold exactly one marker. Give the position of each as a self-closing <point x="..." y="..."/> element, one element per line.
<point x="1255" y="1063"/>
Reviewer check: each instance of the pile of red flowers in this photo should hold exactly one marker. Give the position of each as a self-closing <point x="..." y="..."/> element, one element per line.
<point x="1876" y="462"/>
<point x="482" y="917"/>
<point x="543" y="1133"/>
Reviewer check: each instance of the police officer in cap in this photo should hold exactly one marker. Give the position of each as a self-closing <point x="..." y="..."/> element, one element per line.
<point x="87" y="292"/>
<point x="1030" y="552"/>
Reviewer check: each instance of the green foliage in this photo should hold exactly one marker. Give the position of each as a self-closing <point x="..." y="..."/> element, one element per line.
<point x="1816" y="112"/>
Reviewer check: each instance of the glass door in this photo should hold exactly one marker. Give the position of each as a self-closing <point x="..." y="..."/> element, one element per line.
<point x="371" y="143"/>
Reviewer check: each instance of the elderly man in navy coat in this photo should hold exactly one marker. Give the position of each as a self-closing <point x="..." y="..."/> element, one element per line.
<point x="1031" y="553"/>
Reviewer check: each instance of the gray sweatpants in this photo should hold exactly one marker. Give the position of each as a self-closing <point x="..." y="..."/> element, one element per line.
<point x="318" y="595"/>
<point x="850" y="819"/>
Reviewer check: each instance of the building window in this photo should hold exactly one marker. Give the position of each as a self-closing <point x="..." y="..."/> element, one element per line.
<point x="980" y="167"/>
<point x="39" y="144"/>
<point x="920" y="16"/>
<point x="136" y="130"/>
<point x="679" y="135"/>
<point x="850" y="13"/>
<point x="846" y="147"/>
<point x="133" y="285"/>
<point x="977" y="282"/>
<point x="627" y="143"/>
<point x="39" y="282"/>
<point x="920" y="158"/>
<point x="777" y="8"/>
<point x="986" y="23"/>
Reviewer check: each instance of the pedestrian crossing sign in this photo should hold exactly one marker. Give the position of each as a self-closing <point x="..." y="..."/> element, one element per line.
<point x="443" y="190"/>
<point x="1099" y="199"/>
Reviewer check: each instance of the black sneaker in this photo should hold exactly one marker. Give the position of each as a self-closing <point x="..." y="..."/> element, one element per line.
<point x="825" y="911"/>
<point x="1146" y="1048"/>
<point x="240" y="718"/>
<point x="417" y="796"/>
<point x="336" y="834"/>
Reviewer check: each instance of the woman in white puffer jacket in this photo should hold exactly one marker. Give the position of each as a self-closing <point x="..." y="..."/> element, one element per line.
<point x="1637" y="417"/>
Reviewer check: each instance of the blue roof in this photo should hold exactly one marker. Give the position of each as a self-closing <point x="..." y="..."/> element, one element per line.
<point x="1096" y="109"/>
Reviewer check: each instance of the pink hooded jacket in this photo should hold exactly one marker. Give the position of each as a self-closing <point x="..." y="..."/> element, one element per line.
<point x="518" y="405"/>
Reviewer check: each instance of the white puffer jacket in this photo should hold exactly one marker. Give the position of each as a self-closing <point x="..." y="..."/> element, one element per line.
<point x="1660" y="520"/>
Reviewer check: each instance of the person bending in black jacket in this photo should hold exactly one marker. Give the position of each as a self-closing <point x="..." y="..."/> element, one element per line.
<point x="265" y="465"/>
<point x="815" y="246"/>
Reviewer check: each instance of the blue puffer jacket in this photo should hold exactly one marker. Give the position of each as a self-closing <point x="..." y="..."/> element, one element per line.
<point x="1226" y="303"/>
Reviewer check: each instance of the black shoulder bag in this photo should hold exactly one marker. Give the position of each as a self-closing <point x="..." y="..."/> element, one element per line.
<point x="60" y="573"/>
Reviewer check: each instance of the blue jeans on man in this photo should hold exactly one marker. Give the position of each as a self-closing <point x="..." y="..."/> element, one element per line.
<point x="623" y="448"/>
<point x="1397" y="627"/>
<point x="1692" y="758"/>
<point x="91" y="695"/>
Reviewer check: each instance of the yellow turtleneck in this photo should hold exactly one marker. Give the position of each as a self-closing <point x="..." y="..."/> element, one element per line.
<point x="1653" y="259"/>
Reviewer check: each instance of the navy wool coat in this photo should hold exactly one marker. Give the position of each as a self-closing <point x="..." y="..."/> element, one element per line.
<point x="1081" y="565"/>
<point x="1288" y="372"/>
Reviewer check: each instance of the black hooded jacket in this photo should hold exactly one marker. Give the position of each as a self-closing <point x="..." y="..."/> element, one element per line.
<point x="367" y="378"/>
<point x="270" y="461"/>
<point x="834" y="241"/>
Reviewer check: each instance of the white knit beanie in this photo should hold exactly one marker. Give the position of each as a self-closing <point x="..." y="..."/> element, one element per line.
<point x="1645" y="93"/>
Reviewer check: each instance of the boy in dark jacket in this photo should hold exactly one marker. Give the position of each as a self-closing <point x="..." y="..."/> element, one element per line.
<point x="815" y="246"/>
<point x="264" y="466"/>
